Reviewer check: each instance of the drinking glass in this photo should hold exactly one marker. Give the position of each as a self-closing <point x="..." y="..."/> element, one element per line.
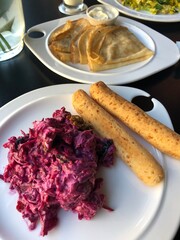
<point x="12" y="28"/>
<point x="71" y="7"/>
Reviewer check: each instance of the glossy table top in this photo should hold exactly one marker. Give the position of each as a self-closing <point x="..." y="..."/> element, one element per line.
<point x="25" y="72"/>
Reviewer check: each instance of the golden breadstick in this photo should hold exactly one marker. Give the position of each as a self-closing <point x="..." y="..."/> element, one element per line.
<point x="142" y="163"/>
<point x="156" y="133"/>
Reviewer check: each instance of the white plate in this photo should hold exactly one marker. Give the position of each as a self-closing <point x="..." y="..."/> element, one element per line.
<point x="140" y="212"/>
<point x="142" y="14"/>
<point x="125" y="74"/>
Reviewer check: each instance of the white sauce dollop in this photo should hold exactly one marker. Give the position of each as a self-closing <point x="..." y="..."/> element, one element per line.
<point x="100" y="13"/>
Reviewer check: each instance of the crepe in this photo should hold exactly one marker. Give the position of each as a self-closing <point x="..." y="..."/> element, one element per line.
<point x="84" y="43"/>
<point x="102" y="47"/>
<point x="117" y="47"/>
<point x="61" y="39"/>
<point x="79" y="46"/>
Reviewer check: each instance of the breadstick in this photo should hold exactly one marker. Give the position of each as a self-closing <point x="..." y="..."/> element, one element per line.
<point x="142" y="163"/>
<point x="154" y="132"/>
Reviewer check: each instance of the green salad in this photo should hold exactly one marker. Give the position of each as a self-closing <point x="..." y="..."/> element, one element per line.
<point x="154" y="7"/>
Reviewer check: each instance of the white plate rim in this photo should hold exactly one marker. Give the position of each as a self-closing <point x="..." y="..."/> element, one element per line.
<point x="142" y="14"/>
<point x="167" y="219"/>
<point x="126" y="74"/>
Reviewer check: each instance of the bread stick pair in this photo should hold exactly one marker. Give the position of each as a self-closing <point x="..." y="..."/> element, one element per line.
<point x="154" y="132"/>
<point x="142" y="163"/>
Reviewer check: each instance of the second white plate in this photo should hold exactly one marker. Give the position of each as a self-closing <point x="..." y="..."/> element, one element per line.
<point x="144" y="15"/>
<point x="164" y="57"/>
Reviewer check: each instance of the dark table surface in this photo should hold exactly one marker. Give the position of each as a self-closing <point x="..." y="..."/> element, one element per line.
<point x="25" y="72"/>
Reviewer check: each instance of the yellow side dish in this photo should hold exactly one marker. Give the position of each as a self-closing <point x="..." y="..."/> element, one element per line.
<point x="154" y="7"/>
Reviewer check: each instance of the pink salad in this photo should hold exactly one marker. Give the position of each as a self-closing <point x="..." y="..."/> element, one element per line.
<point x="55" y="166"/>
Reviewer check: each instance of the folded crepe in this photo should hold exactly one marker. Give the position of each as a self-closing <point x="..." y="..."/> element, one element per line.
<point x="102" y="47"/>
<point x="114" y="48"/>
<point x="61" y="39"/>
<point x="83" y="43"/>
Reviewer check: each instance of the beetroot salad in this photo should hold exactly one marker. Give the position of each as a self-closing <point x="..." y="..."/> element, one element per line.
<point x="54" y="166"/>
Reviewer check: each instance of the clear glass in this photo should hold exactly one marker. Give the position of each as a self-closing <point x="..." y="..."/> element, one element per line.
<point x="12" y="28"/>
<point x="71" y="7"/>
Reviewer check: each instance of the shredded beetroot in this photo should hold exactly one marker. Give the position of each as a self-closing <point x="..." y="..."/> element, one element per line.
<point x="55" y="166"/>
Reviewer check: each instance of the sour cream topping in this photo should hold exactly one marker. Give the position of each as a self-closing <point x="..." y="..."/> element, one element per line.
<point x="101" y="13"/>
